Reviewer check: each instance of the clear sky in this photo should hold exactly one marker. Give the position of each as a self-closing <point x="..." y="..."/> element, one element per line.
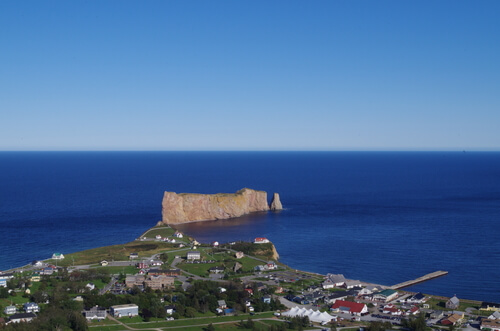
<point x="250" y="75"/>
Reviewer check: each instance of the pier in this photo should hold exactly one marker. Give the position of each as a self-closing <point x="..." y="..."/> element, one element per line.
<point x="424" y="278"/>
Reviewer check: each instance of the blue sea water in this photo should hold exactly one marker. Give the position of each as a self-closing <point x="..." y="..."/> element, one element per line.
<point x="382" y="217"/>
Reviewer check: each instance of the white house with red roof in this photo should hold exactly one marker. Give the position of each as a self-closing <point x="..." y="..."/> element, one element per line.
<point x="261" y="240"/>
<point x="353" y="308"/>
<point x="391" y="310"/>
<point x="413" y="311"/>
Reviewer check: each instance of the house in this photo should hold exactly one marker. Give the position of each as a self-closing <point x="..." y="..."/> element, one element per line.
<point x="494" y="316"/>
<point x="216" y="270"/>
<point x="9" y="310"/>
<point x="490" y="306"/>
<point x="353" y="308"/>
<point x="452" y="319"/>
<point x="262" y="267"/>
<point x="169" y="309"/>
<point x="436" y="314"/>
<point x="159" y="282"/>
<point x="93" y="313"/>
<point x="156" y="263"/>
<point x="416" y="298"/>
<point x="222" y="304"/>
<point x="391" y="310"/>
<point x="370" y="289"/>
<point x="266" y="299"/>
<point x="158" y="237"/>
<point x="47" y="271"/>
<point x="37" y="263"/>
<point x="332" y="298"/>
<point x="104" y="263"/>
<point x="3" y="282"/>
<point x="57" y="256"/>
<point x="413" y="311"/>
<point x="134" y="280"/>
<point x="249" y="291"/>
<point x="215" y="244"/>
<point x="178" y="234"/>
<point x="124" y="310"/>
<point x="453" y="303"/>
<point x="221" y="289"/>
<point x="349" y="284"/>
<point x="133" y="256"/>
<point x="8" y="275"/>
<point x="493" y="325"/>
<point x="90" y="286"/>
<point x="385" y="295"/>
<point x="35" y="277"/>
<point x="332" y="281"/>
<point x="21" y="317"/>
<point x="271" y="265"/>
<point x="251" y="309"/>
<point x="239" y="255"/>
<point x="31" y="307"/>
<point x="168" y="272"/>
<point x="193" y="255"/>
<point x="261" y="240"/>
<point x="142" y="265"/>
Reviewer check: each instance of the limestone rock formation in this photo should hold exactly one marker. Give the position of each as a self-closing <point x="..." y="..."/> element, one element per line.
<point x="276" y="203"/>
<point x="191" y="207"/>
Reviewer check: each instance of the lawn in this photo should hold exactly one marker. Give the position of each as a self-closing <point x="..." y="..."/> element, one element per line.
<point x="199" y="269"/>
<point x="183" y="324"/>
<point x="164" y="231"/>
<point x="115" y="252"/>
<point x="440" y="304"/>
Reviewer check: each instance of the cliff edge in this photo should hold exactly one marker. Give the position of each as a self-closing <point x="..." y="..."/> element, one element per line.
<point x="192" y="207"/>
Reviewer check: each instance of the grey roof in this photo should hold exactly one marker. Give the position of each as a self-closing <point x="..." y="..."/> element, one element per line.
<point x="336" y="278"/>
<point x="22" y="315"/>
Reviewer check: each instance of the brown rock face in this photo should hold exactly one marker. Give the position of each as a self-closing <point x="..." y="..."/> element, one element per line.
<point x="276" y="203"/>
<point x="191" y="207"/>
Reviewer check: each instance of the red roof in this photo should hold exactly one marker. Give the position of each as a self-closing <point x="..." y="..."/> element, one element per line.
<point x="260" y="239"/>
<point x="354" y="307"/>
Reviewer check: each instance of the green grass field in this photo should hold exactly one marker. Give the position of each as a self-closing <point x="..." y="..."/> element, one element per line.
<point x="115" y="252"/>
<point x="200" y="269"/>
<point x="183" y="324"/>
<point x="164" y="231"/>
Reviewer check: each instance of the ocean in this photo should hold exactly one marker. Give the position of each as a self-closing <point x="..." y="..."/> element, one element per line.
<point x="381" y="217"/>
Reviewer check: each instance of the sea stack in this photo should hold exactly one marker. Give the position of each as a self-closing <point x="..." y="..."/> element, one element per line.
<point x="276" y="203"/>
<point x="191" y="207"/>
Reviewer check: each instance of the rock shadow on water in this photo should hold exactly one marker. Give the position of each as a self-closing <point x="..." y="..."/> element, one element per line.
<point x="227" y="230"/>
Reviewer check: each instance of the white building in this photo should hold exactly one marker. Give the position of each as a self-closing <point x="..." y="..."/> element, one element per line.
<point x="124" y="310"/>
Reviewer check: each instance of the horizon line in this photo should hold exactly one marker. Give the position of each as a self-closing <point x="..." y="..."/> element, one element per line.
<point x="261" y="150"/>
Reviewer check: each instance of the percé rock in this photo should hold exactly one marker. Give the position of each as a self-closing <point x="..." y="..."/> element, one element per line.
<point x="276" y="203"/>
<point x="192" y="207"/>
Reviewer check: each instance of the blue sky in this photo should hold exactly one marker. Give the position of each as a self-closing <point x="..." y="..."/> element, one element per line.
<point x="249" y="75"/>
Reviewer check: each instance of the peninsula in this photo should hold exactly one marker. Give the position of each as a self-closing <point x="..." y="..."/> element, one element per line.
<point x="192" y="207"/>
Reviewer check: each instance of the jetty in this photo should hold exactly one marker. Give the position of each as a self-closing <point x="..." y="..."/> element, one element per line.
<point x="424" y="278"/>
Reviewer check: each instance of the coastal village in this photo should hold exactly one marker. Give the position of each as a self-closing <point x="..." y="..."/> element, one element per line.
<point x="166" y="280"/>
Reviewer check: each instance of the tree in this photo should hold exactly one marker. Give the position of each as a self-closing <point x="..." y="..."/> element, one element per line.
<point x="190" y="312"/>
<point x="210" y="327"/>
